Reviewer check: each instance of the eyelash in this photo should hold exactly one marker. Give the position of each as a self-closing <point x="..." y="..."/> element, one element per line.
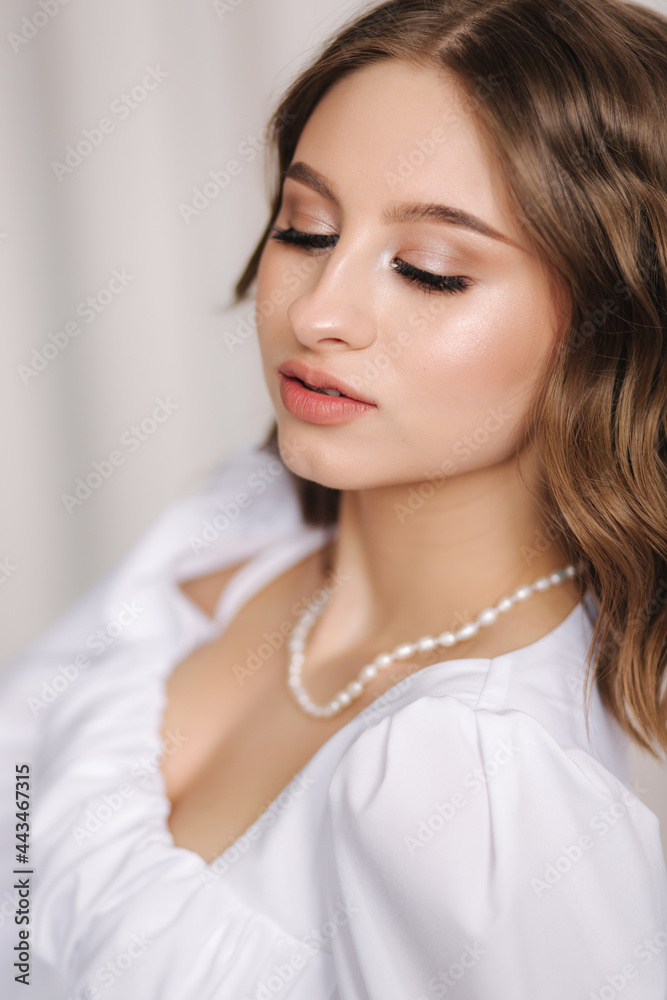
<point x="425" y="280"/>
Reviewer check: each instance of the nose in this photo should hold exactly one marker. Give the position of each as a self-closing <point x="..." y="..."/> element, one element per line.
<point x="335" y="306"/>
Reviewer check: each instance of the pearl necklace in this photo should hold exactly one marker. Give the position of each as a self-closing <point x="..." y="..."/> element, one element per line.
<point x="305" y="622"/>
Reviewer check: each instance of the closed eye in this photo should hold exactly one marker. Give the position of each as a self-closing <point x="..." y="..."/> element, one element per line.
<point x="425" y="280"/>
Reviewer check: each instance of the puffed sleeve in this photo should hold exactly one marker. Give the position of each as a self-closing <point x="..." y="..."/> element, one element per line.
<point x="117" y="912"/>
<point x="487" y="862"/>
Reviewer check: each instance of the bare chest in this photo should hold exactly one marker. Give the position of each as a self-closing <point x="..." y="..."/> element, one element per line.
<point x="241" y="739"/>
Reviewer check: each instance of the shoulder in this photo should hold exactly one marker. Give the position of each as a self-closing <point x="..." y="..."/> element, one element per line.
<point x="250" y="495"/>
<point x="239" y="491"/>
<point x="129" y="602"/>
<point x="480" y="759"/>
<point x="477" y="826"/>
<point x="242" y="488"/>
<point x="439" y="765"/>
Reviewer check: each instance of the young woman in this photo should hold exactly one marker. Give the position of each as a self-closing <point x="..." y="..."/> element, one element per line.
<point x="354" y="720"/>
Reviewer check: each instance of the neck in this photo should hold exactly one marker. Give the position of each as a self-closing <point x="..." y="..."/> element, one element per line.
<point x="413" y="565"/>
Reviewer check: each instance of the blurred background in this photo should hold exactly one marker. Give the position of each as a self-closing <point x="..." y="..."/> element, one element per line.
<point x="133" y="187"/>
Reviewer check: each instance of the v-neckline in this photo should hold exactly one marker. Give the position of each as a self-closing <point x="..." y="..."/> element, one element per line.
<point x="225" y="602"/>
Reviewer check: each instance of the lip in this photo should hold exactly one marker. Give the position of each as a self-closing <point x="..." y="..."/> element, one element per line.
<point x="322" y="380"/>
<point x="315" y="407"/>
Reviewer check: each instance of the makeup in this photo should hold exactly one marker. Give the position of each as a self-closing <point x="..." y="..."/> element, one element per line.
<point x="317" y="406"/>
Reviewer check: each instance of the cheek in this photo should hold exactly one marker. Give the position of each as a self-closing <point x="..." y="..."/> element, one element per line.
<point x="474" y="356"/>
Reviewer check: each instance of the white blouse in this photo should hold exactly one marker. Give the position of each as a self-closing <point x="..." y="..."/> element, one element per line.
<point x="459" y="838"/>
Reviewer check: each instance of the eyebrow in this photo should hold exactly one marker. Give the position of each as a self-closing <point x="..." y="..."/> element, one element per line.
<point x="407" y="212"/>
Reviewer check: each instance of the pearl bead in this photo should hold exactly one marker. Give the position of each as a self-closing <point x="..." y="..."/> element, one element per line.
<point x="467" y="631"/>
<point x="297" y="642"/>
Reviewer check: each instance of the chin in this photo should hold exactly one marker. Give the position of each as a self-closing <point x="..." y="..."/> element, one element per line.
<point x="316" y="469"/>
<point x="319" y="463"/>
<point x="337" y="468"/>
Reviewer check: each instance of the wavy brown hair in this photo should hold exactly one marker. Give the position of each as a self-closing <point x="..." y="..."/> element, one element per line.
<point x="574" y="98"/>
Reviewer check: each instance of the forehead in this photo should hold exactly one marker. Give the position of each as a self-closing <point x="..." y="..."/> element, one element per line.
<point x="394" y="132"/>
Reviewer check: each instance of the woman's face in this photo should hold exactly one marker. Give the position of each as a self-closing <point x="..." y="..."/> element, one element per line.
<point x="448" y="368"/>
